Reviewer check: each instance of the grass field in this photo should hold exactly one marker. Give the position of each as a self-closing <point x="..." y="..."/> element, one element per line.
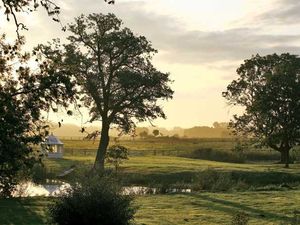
<point x="271" y="194"/>
<point x="150" y="146"/>
<point x="207" y="148"/>
<point x="156" y="143"/>
<point x="191" y="209"/>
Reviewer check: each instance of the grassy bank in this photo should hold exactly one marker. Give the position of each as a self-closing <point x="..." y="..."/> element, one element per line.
<point x="178" y="171"/>
<point x="199" y="208"/>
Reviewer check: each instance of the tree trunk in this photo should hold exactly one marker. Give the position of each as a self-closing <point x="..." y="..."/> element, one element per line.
<point x="282" y="157"/>
<point x="104" y="141"/>
<point x="285" y="157"/>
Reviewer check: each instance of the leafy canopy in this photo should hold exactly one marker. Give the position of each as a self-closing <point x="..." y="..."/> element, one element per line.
<point x="116" y="79"/>
<point x="94" y="199"/>
<point x="24" y="94"/>
<point x="116" y="154"/>
<point x="268" y="88"/>
<point x="13" y="7"/>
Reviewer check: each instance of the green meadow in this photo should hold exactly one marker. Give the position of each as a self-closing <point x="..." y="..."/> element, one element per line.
<point x="263" y="189"/>
<point x="167" y="161"/>
<point x="272" y="207"/>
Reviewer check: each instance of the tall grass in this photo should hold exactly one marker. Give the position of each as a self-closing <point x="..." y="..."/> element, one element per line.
<point x="232" y="156"/>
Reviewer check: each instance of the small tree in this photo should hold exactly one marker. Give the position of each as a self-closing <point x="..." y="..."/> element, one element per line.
<point x="144" y="134"/>
<point x="268" y="88"/>
<point x="155" y="132"/>
<point x="116" y="155"/>
<point x="116" y="79"/>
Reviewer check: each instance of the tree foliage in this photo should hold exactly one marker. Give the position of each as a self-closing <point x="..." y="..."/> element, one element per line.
<point x="116" y="154"/>
<point x="24" y="94"/>
<point x="95" y="200"/>
<point x="116" y="79"/>
<point x="144" y="134"/>
<point x="155" y="132"/>
<point x="13" y="7"/>
<point x="268" y="88"/>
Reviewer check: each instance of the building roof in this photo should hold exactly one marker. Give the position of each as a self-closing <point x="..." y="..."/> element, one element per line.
<point x="53" y="140"/>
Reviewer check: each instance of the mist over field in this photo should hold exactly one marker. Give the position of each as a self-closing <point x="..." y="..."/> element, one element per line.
<point x="217" y="130"/>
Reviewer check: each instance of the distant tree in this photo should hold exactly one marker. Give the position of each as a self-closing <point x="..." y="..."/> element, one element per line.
<point x="116" y="155"/>
<point x="155" y="132"/>
<point x="268" y="88"/>
<point x="24" y="94"/>
<point x="222" y="129"/>
<point x="139" y="130"/>
<point x="144" y="134"/>
<point x="113" y="69"/>
<point x="223" y="125"/>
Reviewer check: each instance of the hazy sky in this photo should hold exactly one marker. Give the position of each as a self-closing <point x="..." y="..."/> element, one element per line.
<point x="200" y="42"/>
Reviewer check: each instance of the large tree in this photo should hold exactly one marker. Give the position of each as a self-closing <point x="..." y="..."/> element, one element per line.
<point x="268" y="87"/>
<point x="117" y="81"/>
<point x="24" y="94"/>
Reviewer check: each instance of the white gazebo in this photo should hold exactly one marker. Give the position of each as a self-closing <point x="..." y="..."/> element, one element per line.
<point x="53" y="147"/>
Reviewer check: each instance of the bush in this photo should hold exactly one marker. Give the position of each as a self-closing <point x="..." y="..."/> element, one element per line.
<point x="235" y="155"/>
<point x="96" y="200"/>
<point x="216" y="155"/>
<point x="213" y="180"/>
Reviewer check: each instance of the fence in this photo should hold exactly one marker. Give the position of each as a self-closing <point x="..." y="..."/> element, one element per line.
<point x="92" y="152"/>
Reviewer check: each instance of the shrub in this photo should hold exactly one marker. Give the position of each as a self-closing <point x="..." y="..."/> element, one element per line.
<point x="216" y="155"/>
<point x="213" y="180"/>
<point x="96" y="200"/>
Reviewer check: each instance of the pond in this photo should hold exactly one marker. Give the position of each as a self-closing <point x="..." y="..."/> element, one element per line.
<point x="30" y="189"/>
<point x="55" y="188"/>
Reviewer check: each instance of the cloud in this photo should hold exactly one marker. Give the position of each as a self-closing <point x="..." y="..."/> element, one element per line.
<point x="286" y="12"/>
<point x="230" y="45"/>
<point x="179" y="45"/>
<point x="175" y="43"/>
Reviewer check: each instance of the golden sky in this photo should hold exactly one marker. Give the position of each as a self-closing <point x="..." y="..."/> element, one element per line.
<point x="200" y="42"/>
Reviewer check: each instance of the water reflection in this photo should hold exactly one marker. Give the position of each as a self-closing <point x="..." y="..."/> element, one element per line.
<point x="55" y="188"/>
<point x="30" y="189"/>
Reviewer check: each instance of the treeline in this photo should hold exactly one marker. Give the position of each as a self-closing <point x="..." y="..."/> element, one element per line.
<point x="218" y="130"/>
